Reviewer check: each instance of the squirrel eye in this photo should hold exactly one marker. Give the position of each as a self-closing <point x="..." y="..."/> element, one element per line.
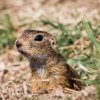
<point x="38" y="38"/>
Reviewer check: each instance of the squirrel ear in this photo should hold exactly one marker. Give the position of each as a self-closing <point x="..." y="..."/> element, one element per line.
<point x="53" y="42"/>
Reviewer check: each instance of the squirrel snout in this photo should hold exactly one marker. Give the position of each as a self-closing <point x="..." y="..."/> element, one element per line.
<point x="18" y="44"/>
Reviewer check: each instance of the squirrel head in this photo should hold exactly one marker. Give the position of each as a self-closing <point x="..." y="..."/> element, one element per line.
<point x="35" y="44"/>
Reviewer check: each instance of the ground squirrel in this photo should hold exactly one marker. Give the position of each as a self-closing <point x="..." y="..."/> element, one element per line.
<point x="49" y="69"/>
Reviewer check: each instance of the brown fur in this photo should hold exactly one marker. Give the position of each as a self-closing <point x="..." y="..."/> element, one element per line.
<point x="49" y="70"/>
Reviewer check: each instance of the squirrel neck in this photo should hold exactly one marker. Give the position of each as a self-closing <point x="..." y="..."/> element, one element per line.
<point x="38" y="62"/>
<point x="42" y="61"/>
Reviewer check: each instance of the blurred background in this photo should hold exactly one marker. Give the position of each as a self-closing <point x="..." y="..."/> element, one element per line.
<point x="74" y="23"/>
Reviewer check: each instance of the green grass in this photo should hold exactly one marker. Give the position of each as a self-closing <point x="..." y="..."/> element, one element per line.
<point x="7" y="37"/>
<point x="87" y="64"/>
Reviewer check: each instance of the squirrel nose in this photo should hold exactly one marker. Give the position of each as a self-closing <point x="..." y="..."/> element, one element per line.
<point x="18" y="44"/>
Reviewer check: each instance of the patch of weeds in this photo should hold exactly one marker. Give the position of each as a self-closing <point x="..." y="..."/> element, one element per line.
<point x="87" y="60"/>
<point x="7" y="37"/>
<point x="96" y="56"/>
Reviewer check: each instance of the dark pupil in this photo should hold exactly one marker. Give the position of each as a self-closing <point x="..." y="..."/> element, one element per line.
<point x="38" y="38"/>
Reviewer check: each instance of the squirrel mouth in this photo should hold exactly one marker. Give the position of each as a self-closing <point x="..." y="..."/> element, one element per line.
<point x="24" y="53"/>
